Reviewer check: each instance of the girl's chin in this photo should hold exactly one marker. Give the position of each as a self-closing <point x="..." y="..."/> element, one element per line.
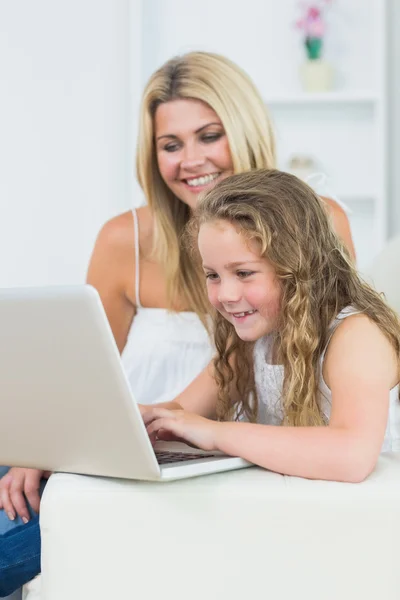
<point x="247" y="336"/>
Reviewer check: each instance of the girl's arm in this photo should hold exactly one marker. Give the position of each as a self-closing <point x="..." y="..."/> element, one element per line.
<point x="360" y="368"/>
<point x="199" y="397"/>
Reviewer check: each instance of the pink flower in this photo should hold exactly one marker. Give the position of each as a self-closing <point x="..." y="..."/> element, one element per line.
<point x="313" y="12"/>
<point x="312" y="21"/>
<point x="316" y="29"/>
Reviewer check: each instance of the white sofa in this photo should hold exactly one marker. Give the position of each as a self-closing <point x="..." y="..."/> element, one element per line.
<point x="244" y="534"/>
<point x="384" y="272"/>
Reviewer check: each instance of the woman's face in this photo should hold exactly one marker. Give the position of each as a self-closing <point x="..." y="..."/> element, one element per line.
<point x="192" y="148"/>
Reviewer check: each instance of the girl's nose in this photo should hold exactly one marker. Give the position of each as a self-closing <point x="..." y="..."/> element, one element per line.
<point x="229" y="292"/>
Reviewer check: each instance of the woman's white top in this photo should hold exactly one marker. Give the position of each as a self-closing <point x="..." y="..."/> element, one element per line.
<point x="320" y="183"/>
<point x="165" y="350"/>
<point x="269" y="382"/>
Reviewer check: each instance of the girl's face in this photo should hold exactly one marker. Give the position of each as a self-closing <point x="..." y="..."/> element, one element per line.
<point x="192" y="148"/>
<point x="241" y="284"/>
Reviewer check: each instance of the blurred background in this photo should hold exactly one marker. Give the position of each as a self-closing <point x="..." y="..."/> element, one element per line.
<point x="71" y="77"/>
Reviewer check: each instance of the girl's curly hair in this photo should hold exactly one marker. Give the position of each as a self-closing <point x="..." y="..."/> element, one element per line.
<point x="317" y="277"/>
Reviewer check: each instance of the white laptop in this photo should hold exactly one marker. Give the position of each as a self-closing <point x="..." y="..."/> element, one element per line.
<point x="65" y="402"/>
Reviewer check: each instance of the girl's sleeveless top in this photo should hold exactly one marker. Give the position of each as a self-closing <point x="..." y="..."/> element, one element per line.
<point x="165" y="350"/>
<point x="269" y="382"/>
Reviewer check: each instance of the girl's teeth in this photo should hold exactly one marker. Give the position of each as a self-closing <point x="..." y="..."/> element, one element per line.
<point x="242" y="314"/>
<point x="202" y="180"/>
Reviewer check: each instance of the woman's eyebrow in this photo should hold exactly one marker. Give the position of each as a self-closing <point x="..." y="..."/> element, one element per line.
<point x="207" y="125"/>
<point x="171" y="135"/>
<point x="167" y="135"/>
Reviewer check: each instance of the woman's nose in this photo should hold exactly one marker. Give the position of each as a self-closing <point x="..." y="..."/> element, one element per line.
<point x="192" y="158"/>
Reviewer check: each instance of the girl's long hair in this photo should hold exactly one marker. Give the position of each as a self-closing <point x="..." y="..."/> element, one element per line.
<point x="222" y="85"/>
<point x="317" y="278"/>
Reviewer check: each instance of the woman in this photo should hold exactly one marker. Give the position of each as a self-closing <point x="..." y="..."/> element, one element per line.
<point x="202" y="119"/>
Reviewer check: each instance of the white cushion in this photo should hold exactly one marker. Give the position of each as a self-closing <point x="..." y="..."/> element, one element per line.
<point x="31" y="590"/>
<point x="243" y="534"/>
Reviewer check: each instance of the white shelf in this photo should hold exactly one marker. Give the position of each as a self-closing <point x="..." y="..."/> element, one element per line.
<point x="339" y="97"/>
<point x="357" y="198"/>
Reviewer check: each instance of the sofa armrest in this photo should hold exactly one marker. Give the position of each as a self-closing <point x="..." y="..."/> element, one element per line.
<point x="243" y="534"/>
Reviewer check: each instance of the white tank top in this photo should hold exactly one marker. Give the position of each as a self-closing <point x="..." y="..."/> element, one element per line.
<point x="165" y="350"/>
<point x="269" y="382"/>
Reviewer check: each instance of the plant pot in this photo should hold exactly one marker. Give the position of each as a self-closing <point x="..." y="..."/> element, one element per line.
<point x="316" y="75"/>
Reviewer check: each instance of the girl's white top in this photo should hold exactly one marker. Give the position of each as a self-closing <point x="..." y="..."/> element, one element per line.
<point x="165" y="350"/>
<point x="269" y="382"/>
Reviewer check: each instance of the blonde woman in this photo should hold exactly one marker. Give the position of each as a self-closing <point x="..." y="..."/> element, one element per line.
<point x="202" y="119"/>
<point x="301" y="340"/>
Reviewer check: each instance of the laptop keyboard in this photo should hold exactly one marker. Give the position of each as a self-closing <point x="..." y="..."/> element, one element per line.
<point x="165" y="458"/>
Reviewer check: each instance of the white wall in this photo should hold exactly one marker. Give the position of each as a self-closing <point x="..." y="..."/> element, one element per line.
<point x="394" y="116"/>
<point x="260" y="36"/>
<point x="71" y="77"/>
<point x="65" y="148"/>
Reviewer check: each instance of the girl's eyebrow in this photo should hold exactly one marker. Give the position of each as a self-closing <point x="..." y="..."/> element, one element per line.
<point x="233" y="265"/>
<point x="171" y="135"/>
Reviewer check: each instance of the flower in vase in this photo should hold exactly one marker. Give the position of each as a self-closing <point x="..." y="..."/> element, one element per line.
<point x="313" y="26"/>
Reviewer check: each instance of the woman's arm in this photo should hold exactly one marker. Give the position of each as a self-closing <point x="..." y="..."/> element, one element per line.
<point x="341" y="224"/>
<point x="360" y="369"/>
<point x="111" y="269"/>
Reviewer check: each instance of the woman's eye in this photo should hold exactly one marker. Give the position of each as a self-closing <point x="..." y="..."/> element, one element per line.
<point x="172" y="147"/>
<point x="208" y="138"/>
<point x="244" y="274"/>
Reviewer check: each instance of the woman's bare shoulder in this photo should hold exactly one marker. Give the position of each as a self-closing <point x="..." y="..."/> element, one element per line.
<point x="146" y="228"/>
<point x="333" y="205"/>
<point x="118" y="233"/>
<point x="341" y="224"/>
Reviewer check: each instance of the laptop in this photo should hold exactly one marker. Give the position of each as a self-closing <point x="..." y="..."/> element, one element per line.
<point x="65" y="402"/>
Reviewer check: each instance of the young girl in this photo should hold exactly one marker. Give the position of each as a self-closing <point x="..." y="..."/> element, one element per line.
<point x="301" y="340"/>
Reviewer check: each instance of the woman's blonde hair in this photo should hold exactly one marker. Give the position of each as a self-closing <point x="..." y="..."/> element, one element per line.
<point x="317" y="278"/>
<point x="227" y="89"/>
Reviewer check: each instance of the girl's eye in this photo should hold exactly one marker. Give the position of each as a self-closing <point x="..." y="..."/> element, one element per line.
<point x="212" y="276"/>
<point x="208" y="138"/>
<point x="244" y="274"/>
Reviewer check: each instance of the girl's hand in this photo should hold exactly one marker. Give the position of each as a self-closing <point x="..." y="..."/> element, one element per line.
<point x="162" y="423"/>
<point x="142" y="408"/>
<point x="16" y="485"/>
